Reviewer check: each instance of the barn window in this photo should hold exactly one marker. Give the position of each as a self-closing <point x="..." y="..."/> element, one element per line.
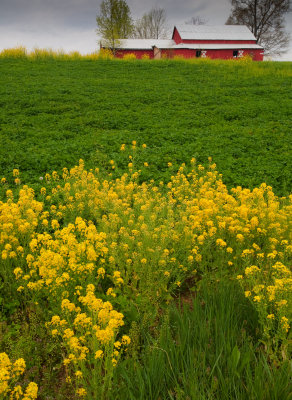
<point x="235" y="53"/>
<point x="198" y="53"/>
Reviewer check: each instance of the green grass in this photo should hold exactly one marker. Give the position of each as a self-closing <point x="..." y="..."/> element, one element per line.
<point x="207" y="349"/>
<point x="54" y="112"/>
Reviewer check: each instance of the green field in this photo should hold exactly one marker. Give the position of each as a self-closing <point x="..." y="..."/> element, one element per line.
<point x="54" y="112"/>
<point x="131" y="275"/>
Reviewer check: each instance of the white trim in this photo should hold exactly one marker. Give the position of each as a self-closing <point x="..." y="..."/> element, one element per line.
<point x="216" y="46"/>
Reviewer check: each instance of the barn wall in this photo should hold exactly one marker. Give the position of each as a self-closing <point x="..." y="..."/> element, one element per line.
<point x="168" y="53"/>
<point x="186" y="53"/>
<point x="176" y="36"/>
<point x="228" y="54"/>
<point x="224" y="54"/>
<point x="138" y="53"/>
<point x="257" y="54"/>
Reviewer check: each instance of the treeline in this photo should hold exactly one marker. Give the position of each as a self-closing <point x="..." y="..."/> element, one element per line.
<point x="264" y="18"/>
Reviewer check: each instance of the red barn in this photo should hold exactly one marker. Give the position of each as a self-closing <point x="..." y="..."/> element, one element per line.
<point x="195" y="41"/>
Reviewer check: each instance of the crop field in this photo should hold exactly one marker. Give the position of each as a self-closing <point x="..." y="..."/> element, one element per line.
<point x="145" y="229"/>
<point x="54" y="112"/>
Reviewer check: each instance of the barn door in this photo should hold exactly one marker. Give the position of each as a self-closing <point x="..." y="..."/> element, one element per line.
<point x="157" y="53"/>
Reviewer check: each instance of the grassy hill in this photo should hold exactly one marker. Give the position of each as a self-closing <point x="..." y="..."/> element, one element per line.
<point x="54" y="112"/>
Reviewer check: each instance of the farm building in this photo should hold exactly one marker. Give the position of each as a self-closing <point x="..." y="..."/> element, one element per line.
<point x="190" y="41"/>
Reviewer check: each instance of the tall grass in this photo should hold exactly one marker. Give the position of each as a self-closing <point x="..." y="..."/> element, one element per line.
<point x="16" y="52"/>
<point x="50" y="54"/>
<point x="255" y="68"/>
<point x="206" y="350"/>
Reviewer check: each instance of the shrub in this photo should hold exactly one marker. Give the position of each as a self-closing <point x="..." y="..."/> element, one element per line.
<point x="129" y="57"/>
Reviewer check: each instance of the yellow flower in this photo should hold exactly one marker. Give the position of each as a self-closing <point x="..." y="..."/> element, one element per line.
<point x="68" y="333"/>
<point x="221" y="243"/>
<point x="282" y="303"/>
<point x="126" y="340"/>
<point x="19" y="367"/>
<point x="31" y="392"/>
<point x="98" y="354"/>
<point x="239" y="237"/>
<point x="110" y="292"/>
<point x="285" y="324"/>
<point x="251" y="270"/>
<point x="81" y="392"/>
<point x="101" y="272"/>
<point x="16" y="392"/>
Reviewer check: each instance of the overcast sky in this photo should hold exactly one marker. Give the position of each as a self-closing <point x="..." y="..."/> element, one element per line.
<point x="70" y="24"/>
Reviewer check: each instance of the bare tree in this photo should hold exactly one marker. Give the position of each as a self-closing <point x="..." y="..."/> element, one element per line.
<point x="114" y="22"/>
<point x="152" y="25"/>
<point x="196" y="21"/>
<point x="266" y="20"/>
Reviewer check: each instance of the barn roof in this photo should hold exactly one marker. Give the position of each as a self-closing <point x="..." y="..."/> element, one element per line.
<point x="143" y="44"/>
<point x="222" y="32"/>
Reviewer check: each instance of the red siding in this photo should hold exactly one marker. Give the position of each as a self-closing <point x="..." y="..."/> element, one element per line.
<point x="255" y="54"/>
<point x="138" y="53"/>
<point x="227" y="54"/>
<point x="186" y="53"/>
<point x="176" y="36"/>
<point x="224" y="54"/>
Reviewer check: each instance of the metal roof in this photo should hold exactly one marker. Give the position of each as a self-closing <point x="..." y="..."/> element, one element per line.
<point x="222" y="32"/>
<point x="143" y="44"/>
<point x="216" y="46"/>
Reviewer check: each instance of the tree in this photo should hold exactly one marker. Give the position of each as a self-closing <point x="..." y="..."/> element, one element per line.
<point x="152" y="25"/>
<point x="114" y="22"/>
<point x="196" y="21"/>
<point x="266" y="20"/>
